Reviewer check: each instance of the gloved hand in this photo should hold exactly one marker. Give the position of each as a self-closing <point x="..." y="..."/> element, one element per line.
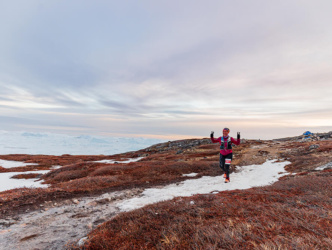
<point x="211" y="135"/>
<point x="238" y="135"/>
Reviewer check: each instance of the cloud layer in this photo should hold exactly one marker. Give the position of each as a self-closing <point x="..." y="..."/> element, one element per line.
<point x="166" y="69"/>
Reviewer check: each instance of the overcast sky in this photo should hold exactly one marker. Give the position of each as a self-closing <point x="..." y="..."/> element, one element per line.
<point x="166" y="69"/>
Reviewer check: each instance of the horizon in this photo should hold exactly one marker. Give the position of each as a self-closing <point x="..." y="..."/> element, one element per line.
<point x="138" y="136"/>
<point x="164" y="70"/>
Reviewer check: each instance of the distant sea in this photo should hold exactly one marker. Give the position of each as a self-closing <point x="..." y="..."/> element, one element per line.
<point x="59" y="144"/>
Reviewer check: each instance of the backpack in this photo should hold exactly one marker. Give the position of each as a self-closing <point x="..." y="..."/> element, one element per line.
<point x="222" y="143"/>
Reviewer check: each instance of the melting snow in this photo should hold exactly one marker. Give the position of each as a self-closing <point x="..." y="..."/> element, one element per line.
<point x="328" y="165"/>
<point x="7" y="183"/>
<point x="250" y="176"/>
<point x="190" y="175"/>
<point x="56" y="167"/>
<point x="14" y="164"/>
<point x="127" y="161"/>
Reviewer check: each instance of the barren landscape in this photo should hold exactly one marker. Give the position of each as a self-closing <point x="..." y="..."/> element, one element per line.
<point x="81" y="206"/>
<point x="165" y="125"/>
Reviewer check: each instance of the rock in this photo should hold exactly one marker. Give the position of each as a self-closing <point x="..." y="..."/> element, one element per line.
<point x="7" y="223"/>
<point x="5" y="231"/>
<point x="92" y="203"/>
<point x="313" y="146"/>
<point x="76" y="201"/>
<point x="103" y="201"/>
<point x="192" y="203"/>
<point x="99" y="221"/>
<point x="82" y="241"/>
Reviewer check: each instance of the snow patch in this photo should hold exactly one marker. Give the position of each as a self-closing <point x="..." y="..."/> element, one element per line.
<point x="82" y="241"/>
<point x="126" y="161"/>
<point x="326" y="166"/>
<point x="7" y="183"/>
<point x="250" y="176"/>
<point x="14" y="164"/>
<point x="56" y="167"/>
<point x="190" y="175"/>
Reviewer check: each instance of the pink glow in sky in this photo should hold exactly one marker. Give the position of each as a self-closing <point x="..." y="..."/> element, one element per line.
<point x="166" y="69"/>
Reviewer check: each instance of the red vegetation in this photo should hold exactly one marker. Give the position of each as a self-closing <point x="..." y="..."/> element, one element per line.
<point x="304" y="159"/>
<point x="89" y="183"/>
<point x="26" y="176"/>
<point x="80" y="176"/>
<point x="87" y="177"/>
<point x="294" y="213"/>
<point x="162" y="164"/>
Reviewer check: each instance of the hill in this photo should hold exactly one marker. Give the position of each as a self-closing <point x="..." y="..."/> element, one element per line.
<point x="299" y="203"/>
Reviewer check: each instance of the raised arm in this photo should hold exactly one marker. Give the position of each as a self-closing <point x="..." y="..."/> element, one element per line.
<point x="212" y="138"/>
<point x="238" y="141"/>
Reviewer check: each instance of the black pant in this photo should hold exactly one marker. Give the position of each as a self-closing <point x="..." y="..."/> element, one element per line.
<point x="222" y="165"/>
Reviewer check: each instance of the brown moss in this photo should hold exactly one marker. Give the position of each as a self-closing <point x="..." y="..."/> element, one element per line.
<point x="26" y="176"/>
<point x="89" y="183"/>
<point x="161" y="165"/>
<point x="293" y="213"/>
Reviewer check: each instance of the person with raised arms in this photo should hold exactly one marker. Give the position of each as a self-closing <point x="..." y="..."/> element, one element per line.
<point x="226" y="152"/>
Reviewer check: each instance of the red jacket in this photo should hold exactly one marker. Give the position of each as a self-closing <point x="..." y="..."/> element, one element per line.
<point x="225" y="151"/>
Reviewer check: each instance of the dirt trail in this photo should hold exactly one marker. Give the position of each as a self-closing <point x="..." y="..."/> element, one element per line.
<point x="52" y="227"/>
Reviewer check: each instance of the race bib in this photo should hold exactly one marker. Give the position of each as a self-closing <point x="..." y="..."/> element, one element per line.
<point x="228" y="161"/>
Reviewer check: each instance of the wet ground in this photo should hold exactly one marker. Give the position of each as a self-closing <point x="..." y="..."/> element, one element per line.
<point x="55" y="224"/>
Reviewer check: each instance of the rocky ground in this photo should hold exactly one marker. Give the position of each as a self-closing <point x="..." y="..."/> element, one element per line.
<point x="55" y="223"/>
<point x="83" y="193"/>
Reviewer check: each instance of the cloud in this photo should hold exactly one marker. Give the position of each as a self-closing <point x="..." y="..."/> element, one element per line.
<point x="154" y="66"/>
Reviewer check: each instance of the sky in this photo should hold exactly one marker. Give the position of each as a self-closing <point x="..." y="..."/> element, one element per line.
<point x="166" y="69"/>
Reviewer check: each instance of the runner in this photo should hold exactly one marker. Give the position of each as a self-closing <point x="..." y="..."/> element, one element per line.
<point x="226" y="153"/>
